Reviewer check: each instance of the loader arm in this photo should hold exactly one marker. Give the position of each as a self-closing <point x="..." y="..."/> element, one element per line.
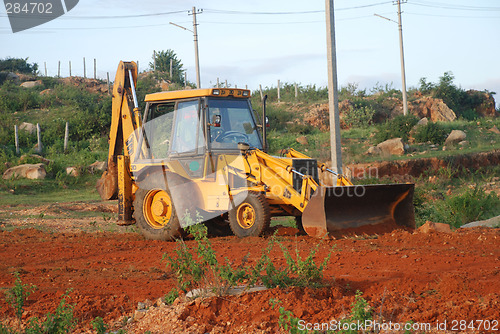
<point x="125" y="120"/>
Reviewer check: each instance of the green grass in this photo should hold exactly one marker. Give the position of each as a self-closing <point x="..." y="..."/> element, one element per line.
<point x="37" y="192"/>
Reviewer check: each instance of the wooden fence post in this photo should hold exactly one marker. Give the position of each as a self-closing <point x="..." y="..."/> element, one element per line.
<point x="45" y="65"/>
<point x="59" y="69"/>
<point x="261" y="94"/>
<point x="95" y="69"/>
<point x="70" y="68"/>
<point x="84" y="69"/>
<point x="296" y="92"/>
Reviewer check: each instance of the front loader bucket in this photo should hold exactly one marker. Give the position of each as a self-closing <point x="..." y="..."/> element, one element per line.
<point x="361" y="209"/>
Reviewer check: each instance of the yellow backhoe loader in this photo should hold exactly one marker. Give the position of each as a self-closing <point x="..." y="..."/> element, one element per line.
<point x="199" y="156"/>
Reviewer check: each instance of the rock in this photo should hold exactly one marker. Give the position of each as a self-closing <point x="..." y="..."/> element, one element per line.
<point x="421" y="122"/>
<point x="10" y="76"/>
<point x="374" y="150"/>
<point x="486" y="106"/>
<point x="47" y="91"/>
<point x="455" y="137"/>
<point x="492" y="222"/>
<point x="29" y="171"/>
<point x="494" y="129"/>
<point x="72" y="171"/>
<point x="35" y="156"/>
<point x="139" y="314"/>
<point x="31" y="84"/>
<point x="302" y="140"/>
<point x="97" y="166"/>
<point x="438" y="227"/>
<point x="463" y="143"/>
<point x="31" y="128"/>
<point x="393" y="146"/>
<point x="432" y="108"/>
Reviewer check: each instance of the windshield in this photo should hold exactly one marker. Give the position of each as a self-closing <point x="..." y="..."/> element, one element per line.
<point x="236" y="124"/>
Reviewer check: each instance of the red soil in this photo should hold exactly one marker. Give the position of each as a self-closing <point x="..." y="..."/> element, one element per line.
<point x="423" y="277"/>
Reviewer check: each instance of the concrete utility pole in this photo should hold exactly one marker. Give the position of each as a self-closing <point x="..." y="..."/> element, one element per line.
<point x="333" y="99"/>
<point x="402" y="55"/>
<point x="195" y="35"/>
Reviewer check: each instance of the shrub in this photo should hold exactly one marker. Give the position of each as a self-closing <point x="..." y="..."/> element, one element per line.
<point x="399" y="127"/>
<point x="359" y="116"/>
<point x="433" y="132"/>
<point x="474" y="204"/>
<point x="16" y="296"/>
<point x="18" y="65"/>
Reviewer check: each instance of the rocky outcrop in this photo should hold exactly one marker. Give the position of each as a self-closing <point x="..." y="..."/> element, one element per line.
<point x="432" y="108"/>
<point x="28" y="171"/>
<point x="318" y="117"/>
<point x="486" y="103"/>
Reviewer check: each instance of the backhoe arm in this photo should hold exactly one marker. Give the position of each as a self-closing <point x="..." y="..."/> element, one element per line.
<point x="125" y="119"/>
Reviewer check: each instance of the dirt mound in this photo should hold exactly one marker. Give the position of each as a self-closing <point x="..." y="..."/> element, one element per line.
<point x="416" y="167"/>
<point x="91" y="85"/>
<point x="420" y="277"/>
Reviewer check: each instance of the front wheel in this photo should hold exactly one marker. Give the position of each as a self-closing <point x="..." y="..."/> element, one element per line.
<point x="251" y="216"/>
<point x="155" y="214"/>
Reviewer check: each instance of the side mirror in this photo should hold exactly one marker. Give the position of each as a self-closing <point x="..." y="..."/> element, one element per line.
<point x="267" y="122"/>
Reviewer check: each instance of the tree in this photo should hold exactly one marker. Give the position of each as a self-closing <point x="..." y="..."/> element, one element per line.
<point x="163" y="65"/>
<point x="18" y="65"/>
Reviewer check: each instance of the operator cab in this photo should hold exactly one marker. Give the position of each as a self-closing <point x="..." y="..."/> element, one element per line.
<point x="193" y="122"/>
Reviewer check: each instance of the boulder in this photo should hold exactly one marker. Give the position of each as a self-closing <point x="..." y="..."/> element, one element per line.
<point x="31" y="128"/>
<point x="494" y="129"/>
<point x="29" y="171"/>
<point x="422" y="121"/>
<point x="492" y="222"/>
<point x="373" y="150"/>
<point x="31" y="84"/>
<point x="302" y="140"/>
<point x="487" y="105"/>
<point x="438" y="227"/>
<point x="10" y="76"/>
<point x="47" y="91"/>
<point x="72" y="171"/>
<point x="432" y="108"/>
<point x="394" y="146"/>
<point x="97" y="166"/>
<point x="455" y="137"/>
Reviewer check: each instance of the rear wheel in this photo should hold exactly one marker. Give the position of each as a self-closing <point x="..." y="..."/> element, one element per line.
<point x="251" y="216"/>
<point x="155" y="214"/>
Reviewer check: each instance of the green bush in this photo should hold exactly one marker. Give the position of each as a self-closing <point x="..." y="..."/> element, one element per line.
<point x="431" y="132"/>
<point x="398" y="127"/>
<point x="18" y="65"/>
<point x="359" y="116"/>
<point x="475" y="204"/>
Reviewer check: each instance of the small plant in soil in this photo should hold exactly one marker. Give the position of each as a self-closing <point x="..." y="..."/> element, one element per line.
<point x="16" y="297"/>
<point x="99" y="326"/>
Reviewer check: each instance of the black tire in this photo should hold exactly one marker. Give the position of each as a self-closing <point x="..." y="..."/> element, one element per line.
<point x="164" y="226"/>
<point x="251" y="216"/>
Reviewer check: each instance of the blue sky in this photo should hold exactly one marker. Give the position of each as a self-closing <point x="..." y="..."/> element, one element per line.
<point x="258" y="42"/>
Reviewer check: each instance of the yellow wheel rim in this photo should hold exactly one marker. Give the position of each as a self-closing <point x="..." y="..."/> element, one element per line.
<point x="157" y="208"/>
<point x="246" y="216"/>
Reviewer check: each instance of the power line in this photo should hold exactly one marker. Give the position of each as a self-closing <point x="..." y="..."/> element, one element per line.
<point x="453" y="7"/>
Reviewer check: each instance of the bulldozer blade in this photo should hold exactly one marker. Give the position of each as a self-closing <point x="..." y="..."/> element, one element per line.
<point x="361" y="209"/>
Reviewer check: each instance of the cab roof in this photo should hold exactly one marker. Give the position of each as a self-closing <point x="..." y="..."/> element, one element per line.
<point x="193" y="93"/>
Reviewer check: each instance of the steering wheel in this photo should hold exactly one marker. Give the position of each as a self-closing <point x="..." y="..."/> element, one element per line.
<point x="234" y="134"/>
